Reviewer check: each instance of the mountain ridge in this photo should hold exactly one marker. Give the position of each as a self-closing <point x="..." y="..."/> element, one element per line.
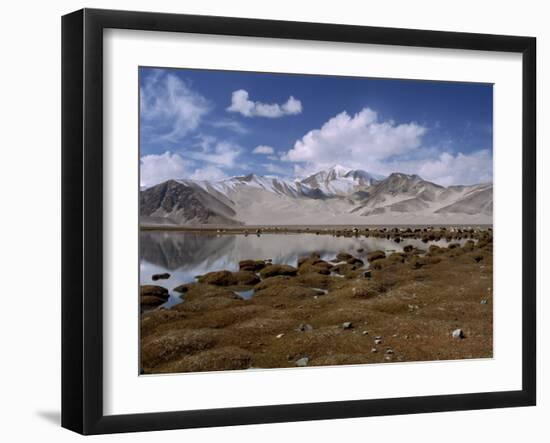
<point x="337" y="195"/>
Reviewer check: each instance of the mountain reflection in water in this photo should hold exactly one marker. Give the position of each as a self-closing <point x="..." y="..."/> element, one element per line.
<point x="186" y="255"/>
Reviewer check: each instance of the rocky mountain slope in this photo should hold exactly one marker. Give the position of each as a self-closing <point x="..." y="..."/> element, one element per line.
<point x="337" y="195"/>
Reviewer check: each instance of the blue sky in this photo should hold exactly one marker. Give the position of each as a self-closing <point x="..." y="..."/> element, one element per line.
<point x="214" y="124"/>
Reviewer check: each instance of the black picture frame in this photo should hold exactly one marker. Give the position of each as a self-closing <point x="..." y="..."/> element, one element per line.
<point x="82" y="218"/>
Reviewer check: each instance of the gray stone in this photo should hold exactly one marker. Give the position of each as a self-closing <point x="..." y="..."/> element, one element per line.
<point x="347" y="325"/>
<point x="304" y="327"/>
<point x="458" y="334"/>
<point x="302" y="362"/>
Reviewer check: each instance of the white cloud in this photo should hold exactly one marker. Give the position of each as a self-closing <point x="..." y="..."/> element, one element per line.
<point x="232" y="125"/>
<point x="364" y="142"/>
<point x="211" y="173"/>
<point x="242" y="104"/>
<point x="205" y="141"/>
<point x="156" y="169"/>
<point x="172" y="108"/>
<point x="356" y="141"/>
<point x="263" y="149"/>
<point x="223" y="154"/>
<point x="449" y="169"/>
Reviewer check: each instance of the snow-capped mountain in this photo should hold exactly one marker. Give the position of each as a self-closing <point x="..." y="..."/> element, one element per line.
<point x="337" y="195"/>
<point x="339" y="180"/>
<point x="252" y="181"/>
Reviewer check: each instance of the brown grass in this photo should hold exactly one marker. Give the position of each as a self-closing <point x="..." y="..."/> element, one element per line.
<point x="412" y="302"/>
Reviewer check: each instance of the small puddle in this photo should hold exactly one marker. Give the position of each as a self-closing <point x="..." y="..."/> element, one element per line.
<point x="246" y="295"/>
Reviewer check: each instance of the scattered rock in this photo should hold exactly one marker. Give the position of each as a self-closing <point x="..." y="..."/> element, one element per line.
<point x="280" y="335"/>
<point x="304" y="361"/>
<point x="365" y="332"/>
<point x="377" y="341"/>
<point x="347" y="325"/>
<point x="367" y="274"/>
<point x="484" y="301"/>
<point x="458" y="334"/>
<point x="162" y="276"/>
<point x="374" y="350"/>
<point x="304" y="327"/>
<point x="389" y="351"/>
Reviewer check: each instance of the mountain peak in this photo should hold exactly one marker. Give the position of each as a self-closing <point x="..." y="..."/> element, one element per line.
<point x="339" y="169"/>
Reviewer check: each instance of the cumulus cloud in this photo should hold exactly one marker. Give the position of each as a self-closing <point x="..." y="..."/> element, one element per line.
<point x="169" y="107"/>
<point x="449" y="169"/>
<point x="355" y="140"/>
<point x="263" y="149"/>
<point x="157" y="168"/>
<point x="241" y="103"/>
<point x="363" y="141"/>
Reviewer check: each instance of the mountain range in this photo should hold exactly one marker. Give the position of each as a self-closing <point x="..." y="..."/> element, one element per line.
<point x="337" y="195"/>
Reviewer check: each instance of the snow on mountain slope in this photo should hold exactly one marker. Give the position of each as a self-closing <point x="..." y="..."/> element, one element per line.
<point x="339" y="180"/>
<point x="337" y="195"/>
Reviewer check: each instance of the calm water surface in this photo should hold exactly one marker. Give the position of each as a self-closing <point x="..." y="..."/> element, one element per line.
<point x="186" y="255"/>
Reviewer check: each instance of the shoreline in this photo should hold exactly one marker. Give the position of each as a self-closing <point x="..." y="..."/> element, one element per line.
<point x="312" y="229"/>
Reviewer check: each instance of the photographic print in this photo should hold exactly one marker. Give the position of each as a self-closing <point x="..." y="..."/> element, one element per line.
<point x="293" y="220"/>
